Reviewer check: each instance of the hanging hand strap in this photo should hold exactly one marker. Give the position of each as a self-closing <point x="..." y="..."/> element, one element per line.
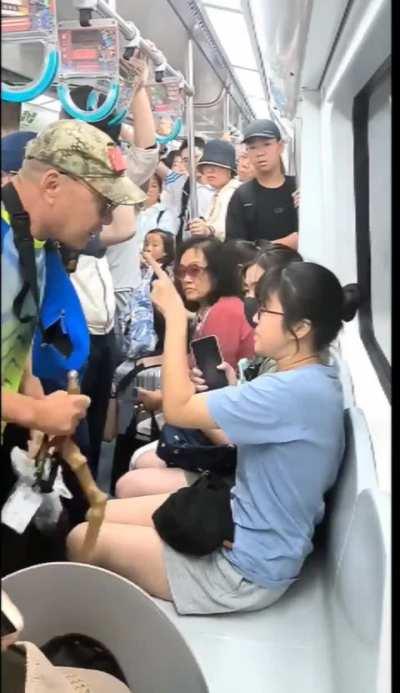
<point x="34" y="89"/>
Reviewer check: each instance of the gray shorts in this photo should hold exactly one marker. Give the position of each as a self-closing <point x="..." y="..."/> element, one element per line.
<point x="211" y="585"/>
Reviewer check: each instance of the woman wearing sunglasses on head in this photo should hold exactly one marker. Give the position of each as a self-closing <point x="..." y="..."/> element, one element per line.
<point x="289" y="430"/>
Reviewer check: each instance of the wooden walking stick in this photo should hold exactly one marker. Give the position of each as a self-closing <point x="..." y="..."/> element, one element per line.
<point x="70" y="453"/>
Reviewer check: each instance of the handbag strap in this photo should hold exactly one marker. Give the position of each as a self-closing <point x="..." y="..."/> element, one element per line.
<point x="24" y="244"/>
<point x="155" y="428"/>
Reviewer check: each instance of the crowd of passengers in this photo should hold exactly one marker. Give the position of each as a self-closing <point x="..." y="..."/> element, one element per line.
<point x="151" y="279"/>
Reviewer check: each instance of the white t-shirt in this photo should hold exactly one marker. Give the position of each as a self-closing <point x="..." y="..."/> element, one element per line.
<point x="156" y="216"/>
<point x="124" y="258"/>
<point x="172" y="196"/>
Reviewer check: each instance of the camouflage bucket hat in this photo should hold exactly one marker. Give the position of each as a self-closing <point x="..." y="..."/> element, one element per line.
<point x="77" y="148"/>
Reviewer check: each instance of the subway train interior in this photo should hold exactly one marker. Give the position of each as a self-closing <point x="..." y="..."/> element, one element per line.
<point x="321" y="72"/>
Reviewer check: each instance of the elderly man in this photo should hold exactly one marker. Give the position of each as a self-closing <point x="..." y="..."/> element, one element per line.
<point x="72" y="178"/>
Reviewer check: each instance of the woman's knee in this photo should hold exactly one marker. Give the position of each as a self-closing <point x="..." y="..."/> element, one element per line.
<point x="149" y="459"/>
<point x="124" y="485"/>
<point x="139" y="482"/>
<point x="75" y="540"/>
<point x="145" y="482"/>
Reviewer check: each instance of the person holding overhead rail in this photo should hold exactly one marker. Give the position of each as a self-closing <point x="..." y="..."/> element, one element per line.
<point x="177" y="188"/>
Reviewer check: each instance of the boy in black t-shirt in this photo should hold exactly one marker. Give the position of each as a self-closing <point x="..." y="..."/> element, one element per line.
<point x="266" y="207"/>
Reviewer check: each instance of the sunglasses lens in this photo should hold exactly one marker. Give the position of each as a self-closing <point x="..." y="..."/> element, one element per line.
<point x="191" y="271"/>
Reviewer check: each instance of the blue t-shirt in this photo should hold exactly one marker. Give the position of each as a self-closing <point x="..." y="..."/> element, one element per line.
<point x="289" y="429"/>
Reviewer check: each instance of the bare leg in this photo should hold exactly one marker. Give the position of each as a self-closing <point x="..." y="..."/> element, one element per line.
<point x="134" y="552"/>
<point x="134" y="511"/>
<point x="145" y="482"/>
<point x="149" y="459"/>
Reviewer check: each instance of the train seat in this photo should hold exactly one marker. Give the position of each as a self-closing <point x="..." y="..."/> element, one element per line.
<point x="344" y="375"/>
<point x="332" y="622"/>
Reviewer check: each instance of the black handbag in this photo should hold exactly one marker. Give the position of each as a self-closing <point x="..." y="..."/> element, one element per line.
<point x="190" y="449"/>
<point x="196" y="520"/>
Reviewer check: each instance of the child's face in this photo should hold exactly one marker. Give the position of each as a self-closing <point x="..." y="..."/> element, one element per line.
<point x="154" y="245"/>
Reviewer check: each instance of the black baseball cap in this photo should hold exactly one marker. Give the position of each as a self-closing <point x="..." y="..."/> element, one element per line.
<point x="262" y="128"/>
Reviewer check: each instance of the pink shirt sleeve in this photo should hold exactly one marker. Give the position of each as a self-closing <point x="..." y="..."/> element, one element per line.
<point x="227" y="321"/>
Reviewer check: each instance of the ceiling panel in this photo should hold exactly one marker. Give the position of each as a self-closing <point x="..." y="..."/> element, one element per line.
<point x="281" y="28"/>
<point x="325" y="21"/>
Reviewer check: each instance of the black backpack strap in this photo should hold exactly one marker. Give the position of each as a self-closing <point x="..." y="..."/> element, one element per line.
<point x="184" y="205"/>
<point x="24" y="244"/>
<point x="247" y="197"/>
<point x="291" y="182"/>
<point x="159" y="215"/>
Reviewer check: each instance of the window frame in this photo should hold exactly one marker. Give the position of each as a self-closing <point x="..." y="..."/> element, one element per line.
<point x="363" y="238"/>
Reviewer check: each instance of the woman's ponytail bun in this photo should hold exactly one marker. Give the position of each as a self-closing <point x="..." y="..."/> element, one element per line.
<point x="351" y="301"/>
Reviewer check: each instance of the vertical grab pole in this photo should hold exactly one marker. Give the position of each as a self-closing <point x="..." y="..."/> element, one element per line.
<point x="226" y="113"/>
<point x="190" y="132"/>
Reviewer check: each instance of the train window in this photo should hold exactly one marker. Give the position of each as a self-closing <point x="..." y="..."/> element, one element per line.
<point x="372" y="183"/>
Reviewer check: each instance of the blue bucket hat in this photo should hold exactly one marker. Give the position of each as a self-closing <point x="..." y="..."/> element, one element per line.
<point x="219" y="153"/>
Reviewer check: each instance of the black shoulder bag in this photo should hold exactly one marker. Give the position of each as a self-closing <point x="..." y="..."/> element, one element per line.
<point x="197" y="520"/>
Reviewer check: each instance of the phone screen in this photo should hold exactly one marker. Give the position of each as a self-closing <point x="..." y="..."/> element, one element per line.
<point x="208" y="356"/>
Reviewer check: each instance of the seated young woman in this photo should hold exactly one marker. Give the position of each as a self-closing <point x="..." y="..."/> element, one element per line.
<point x="211" y="287"/>
<point x="289" y="430"/>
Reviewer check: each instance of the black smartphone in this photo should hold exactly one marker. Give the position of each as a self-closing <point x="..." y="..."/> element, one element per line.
<point x="208" y="356"/>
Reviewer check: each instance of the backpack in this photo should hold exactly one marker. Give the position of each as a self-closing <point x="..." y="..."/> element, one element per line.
<point x="247" y="196"/>
<point x="139" y="337"/>
<point x="61" y="341"/>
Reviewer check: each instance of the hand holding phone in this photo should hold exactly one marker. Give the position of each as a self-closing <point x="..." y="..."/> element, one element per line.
<point x="208" y="356"/>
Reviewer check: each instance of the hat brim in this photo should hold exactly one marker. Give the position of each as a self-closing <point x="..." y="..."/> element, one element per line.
<point x="120" y="190"/>
<point x="215" y="163"/>
<point x="260" y="135"/>
<point x="42" y="675"/>
<point x="96" y="681"/>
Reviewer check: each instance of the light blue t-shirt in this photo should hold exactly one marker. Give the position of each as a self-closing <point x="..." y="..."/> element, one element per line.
<point x="289" y="429"/>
